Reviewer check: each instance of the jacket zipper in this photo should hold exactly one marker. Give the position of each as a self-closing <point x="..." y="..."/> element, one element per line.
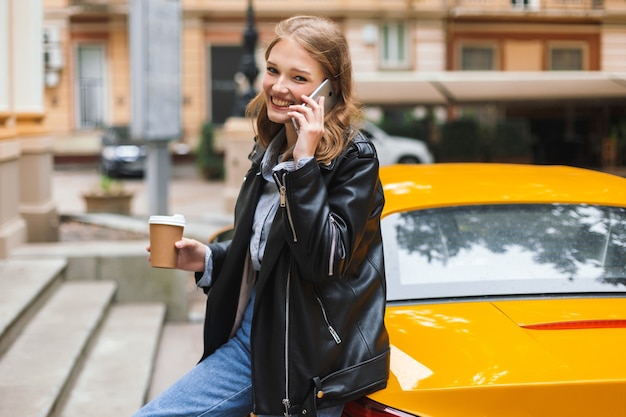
<point x="329" y="326"/>
<point x="333" y="247"/>
<point x="286" y="401"/>
<point x="284" y="202"/>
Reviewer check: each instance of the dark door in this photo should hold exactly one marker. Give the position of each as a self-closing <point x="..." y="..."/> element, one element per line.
<point x="224" y="63"/>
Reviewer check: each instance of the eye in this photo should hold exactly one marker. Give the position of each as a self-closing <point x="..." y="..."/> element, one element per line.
<point x="272" y="70"/>
<point x="300" y="79"/>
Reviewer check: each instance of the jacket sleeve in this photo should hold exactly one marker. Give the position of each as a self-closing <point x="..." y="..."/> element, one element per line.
<point x="324" y="221"/>
<point x="218" y="253"/>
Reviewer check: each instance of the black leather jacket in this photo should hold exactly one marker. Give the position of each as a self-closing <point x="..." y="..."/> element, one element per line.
<point x="318" y="335"/>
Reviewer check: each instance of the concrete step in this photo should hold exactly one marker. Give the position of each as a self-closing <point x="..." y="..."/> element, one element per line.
<point x="126" y="263"/>
<point x="180" y="350"/>
<point x="75" y="341"/>
<point x="41" y="363"/>
<point x="116" y="376"/>
<point x="25" y="285"/>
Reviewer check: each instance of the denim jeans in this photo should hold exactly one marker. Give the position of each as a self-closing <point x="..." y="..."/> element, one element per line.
<point x="219" y="386"/>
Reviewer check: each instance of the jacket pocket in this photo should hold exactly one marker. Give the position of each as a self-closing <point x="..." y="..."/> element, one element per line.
<point x="327" y="321"/>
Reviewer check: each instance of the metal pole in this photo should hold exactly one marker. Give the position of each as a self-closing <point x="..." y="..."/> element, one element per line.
<point x="158" y="176"/>
<point x="155" y="82"/>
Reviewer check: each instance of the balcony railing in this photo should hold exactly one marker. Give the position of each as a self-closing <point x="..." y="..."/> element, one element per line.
<point x="99" y="2"/>
<point x="528" y="5"/>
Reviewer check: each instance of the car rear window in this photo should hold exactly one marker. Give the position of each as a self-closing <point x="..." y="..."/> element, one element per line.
<point x="501" y="250"/>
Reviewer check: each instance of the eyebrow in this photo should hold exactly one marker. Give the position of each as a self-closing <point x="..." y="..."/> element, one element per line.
<point x="301" y="71"/>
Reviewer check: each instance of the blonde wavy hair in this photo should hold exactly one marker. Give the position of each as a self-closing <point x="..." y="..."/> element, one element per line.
<point x="323" y="39"/>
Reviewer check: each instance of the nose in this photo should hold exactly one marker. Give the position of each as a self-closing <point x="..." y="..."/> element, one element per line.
<point x="280" y="86"/>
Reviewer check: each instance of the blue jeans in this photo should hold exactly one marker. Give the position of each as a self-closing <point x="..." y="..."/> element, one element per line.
<point x="219" y="386"/>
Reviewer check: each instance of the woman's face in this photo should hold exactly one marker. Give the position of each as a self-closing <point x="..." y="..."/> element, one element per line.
<point x="290" y="73"/>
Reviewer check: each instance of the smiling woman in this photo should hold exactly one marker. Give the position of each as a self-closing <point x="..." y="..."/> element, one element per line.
<point x="296" y="296"/>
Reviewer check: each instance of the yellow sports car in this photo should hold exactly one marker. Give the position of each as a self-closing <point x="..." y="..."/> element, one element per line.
<point x="506" y="290"/>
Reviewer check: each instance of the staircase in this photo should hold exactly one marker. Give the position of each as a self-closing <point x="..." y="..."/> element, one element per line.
<point x="71" y="347"/>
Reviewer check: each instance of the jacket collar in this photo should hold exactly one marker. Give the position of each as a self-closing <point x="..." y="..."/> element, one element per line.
<point x="258" y="151"/>
<point x="272" y="155"/>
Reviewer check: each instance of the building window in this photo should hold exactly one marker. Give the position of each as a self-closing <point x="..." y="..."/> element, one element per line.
<point x="525" y="4"/>
<point x="394" y="51"/>
<point x="567" y="58"/>
<point x="90" y="86"/>
<point x="478" y="58"/>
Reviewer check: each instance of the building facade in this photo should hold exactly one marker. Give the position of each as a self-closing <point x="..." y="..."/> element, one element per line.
<point x="491" y="59"/>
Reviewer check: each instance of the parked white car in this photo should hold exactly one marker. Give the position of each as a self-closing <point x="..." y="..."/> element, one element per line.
<point x="397" y="149"/>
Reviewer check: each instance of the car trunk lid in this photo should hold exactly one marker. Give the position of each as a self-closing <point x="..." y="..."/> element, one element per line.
<point x="506" y="351"/>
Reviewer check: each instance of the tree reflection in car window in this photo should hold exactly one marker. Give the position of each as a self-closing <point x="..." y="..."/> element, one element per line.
<point x="499" y="243"/>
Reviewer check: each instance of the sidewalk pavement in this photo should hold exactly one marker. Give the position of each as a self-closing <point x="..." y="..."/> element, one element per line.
<point x="199" y="200"/>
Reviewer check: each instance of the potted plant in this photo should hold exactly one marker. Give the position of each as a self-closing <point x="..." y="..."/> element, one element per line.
<point x="109" y="196"/>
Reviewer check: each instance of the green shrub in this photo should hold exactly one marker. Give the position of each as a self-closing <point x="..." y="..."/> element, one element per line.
<point x="210" y="163"/>
<point x="460" y="140"/>
<point x="510" y="139"/>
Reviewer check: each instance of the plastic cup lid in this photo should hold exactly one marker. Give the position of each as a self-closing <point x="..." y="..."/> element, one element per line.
<point x="175" y="220"/>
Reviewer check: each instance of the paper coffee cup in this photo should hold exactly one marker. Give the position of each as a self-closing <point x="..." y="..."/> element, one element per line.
<point x="164" y="232"/>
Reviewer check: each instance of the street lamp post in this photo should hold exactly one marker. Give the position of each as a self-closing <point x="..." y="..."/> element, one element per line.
<point x="248" y="70"/>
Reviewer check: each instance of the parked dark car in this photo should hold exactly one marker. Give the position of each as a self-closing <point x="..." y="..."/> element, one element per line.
<point x="120" y="156"/>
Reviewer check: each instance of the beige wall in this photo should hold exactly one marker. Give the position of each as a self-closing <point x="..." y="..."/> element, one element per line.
<point x="613" y="48"/>
<point x="193" y="80"/>
<point x="55" y="3"/>
<point x="523" y="55"/>
<point x="119" y="71"/>
<point x="430" y="46"/>
<point x="364" y="54"/>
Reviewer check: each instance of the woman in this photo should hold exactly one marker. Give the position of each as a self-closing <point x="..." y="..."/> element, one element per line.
<point x="294" y="315"/>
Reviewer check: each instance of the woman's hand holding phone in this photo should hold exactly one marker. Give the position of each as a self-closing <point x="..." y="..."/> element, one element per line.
<point x="310" y="118"/>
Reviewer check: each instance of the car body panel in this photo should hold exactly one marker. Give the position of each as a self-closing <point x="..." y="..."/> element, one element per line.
<point x="468" y="347"/>
<point x="497" y="350"/>
<point x="512" y="355"/>
<point x="410" y="187"/>
<point x="576" y="399"/>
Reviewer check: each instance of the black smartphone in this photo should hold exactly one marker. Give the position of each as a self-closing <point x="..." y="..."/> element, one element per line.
<point x="325" y="89"/>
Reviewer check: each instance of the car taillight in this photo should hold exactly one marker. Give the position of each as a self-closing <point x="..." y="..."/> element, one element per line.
<point x="578" y="325"/>
<point x="364" y="407"/>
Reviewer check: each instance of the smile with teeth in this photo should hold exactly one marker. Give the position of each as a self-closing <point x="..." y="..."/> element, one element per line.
<point x="281" y="103"/>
